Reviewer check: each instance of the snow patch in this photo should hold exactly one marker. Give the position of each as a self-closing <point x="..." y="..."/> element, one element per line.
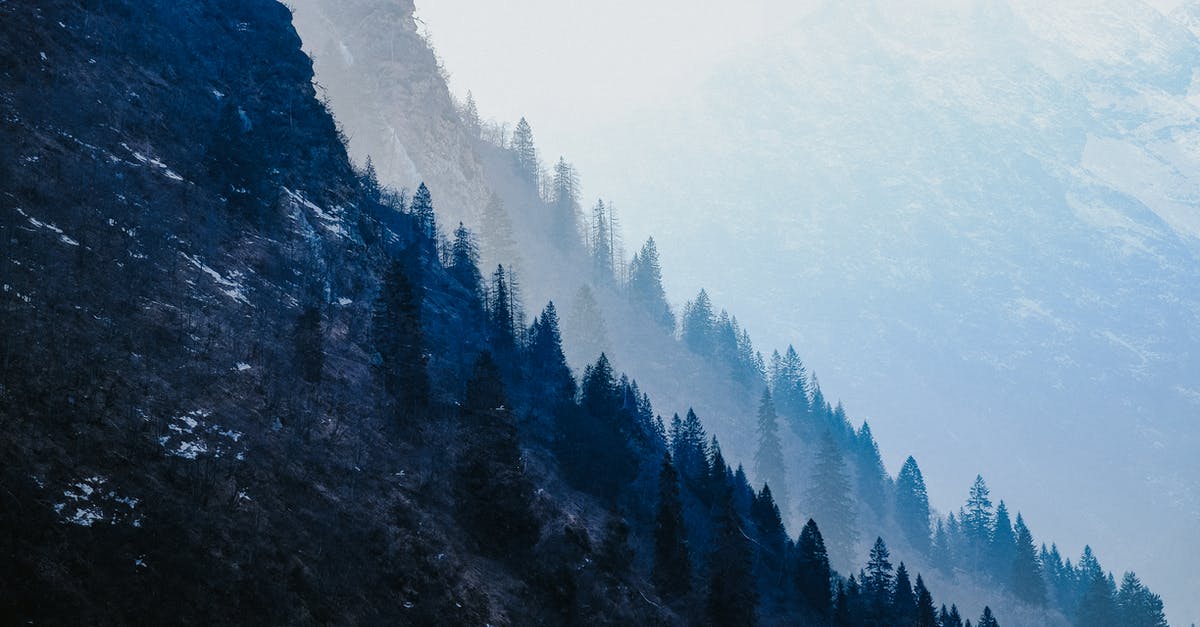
<point x="230" y="287"/>
<point x="343" y="301"/>
<point x="86" y="502"/>
<point x="191" y="436"/>
<point x="329" y="221"/>
<point x="242" y="366"/>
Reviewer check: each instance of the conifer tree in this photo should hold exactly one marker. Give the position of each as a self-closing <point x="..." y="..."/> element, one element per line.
<point x="496" y="235"/>
<point x="1137" y="605"/>
<point x="841" y="613"/>
<point x="600" y="243"/>
<point x="1003" y="547"/>
<point x="878" y="584"/>
<point x="500" y="314"/>
<point x="768" y="459"/>
<point x="872" y="477"/>
<point x="813" y="571"/>
<point x="904" y="600"/>
<point x="422" y="209"/>
<point x="464" y="261"/>
<point x="470" y="115"/>
<point x="976" y="521"/>
<point x="731" y="597"/>
<point x="1027" y="582"/>
<point x="1097" y="603"/>
<point x="399" y="340"/>
<point x="912" y="505"/>
<point x="586" y="331"/>
<point x="552" y="385"/>
<point x="828" y="496"/>
<point x="698" y="325"/>
<point x="770" y="544"/>
<point x="987" y="620"/>
<point x="926" y="612"/>
<point x="493" y="492"/>
<point x="564" y="221"/>
<point x="646" y="287"/>
<point x="689" y="447"/>
<point x="951" y="618"/>
<point x="672" y="565"/>
<point x="524" y="153"/>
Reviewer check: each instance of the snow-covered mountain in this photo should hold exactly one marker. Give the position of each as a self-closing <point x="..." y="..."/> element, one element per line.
<point x="973" y="218"/>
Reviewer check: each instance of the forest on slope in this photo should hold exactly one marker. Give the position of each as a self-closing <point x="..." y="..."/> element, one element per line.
<point x="261" y="386"/>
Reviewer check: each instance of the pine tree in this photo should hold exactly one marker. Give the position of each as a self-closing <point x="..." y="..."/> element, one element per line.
<point x="552" y="385"/>
<point x="950" y="619"/>
<point x="500" y="314"/>
<point x="1003" y="548"/>
<point x="813" y="571"/>
<point x="872" y="476"/>
<point x="912" y="505"/>
<point x="493" y="492"/>
<point x="976" y="521"/>
<point x="1027" y="582"/>
<point x="1137" y="605"/>
<point x="564" y="221"/>
<point x="586" y="331"/>
<point x="600" y="244"/>
<point x="422" y="209"/>
<point x="904" y="600"/>
<point x="698" y="325"/>
<point x="470" y="115"/>
<point x="524" y="153"/>
<point x="770" y="545"/>
<point x="987" y="620"/>
<point x="926" y="612"/>
<point x="399" y="340"/>
<point x="878" y="584"/>
<point x="1097" y="603"/>
<point x="841" y="613"/>
<point x="768" y="459"/>
<point x="689" y="447"/>
<point x="731" y="597"/>
<point x="464" y="261"/>
<point x="496" y="235"/>
<point x="646" y="287"/>
<point x="831" y="506"/>
<point x="672" y="565"/>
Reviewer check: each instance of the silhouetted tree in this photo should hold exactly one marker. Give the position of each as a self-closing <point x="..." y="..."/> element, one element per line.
<point x="926" y="612"/>
<point x="646" y="287"/>
<point x="1026" y="581"/>
<point x="494" y="494"/>
<point x="828" y="496"/>
<point x="768" y="459"/>
<point x="813" y="571"/>
<point x="524" y="152"/>
<point x="987" y="620"/>
<point x="672" y="564"/>
<point x="912" y="505"/>
<point x="1137" y="605"/>
<point x="878" y="584"/>
<point x="422" y="209"/>
<point x="399" y="339"/>
<point x="904" y="601"/>
<point x="464" y="261"/>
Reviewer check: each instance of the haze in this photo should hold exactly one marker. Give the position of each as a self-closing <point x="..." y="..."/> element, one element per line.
<point x="975" y="221"/>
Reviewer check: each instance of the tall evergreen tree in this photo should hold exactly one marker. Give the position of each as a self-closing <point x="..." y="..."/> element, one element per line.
<point x="422" y="209"/>
<point x="842" y="616"/>
<point x="524" y="152"/>
<point x="987" y="620"/>
<point x="501" y="318"/>
<point x="496" y="235"/>
<point x="698" y="325"/>
<point x="768" y="459"/>
<point x="926" y="612"/>
<point x="873" y="480"/>
<point x="813" y="571"/>
<point x="1097" y="603"/>
<point x="1137" y="605"/>
<point x="493" y="492"/>
<point x="464" y="261"/>
<point x="564" y="222"/>
<point x="689" y="446"/>
<point x="646" y="287"/>
<point x="399" y="340"/>
<point x="586" y="330"/>
<point x="731" y="596"/>
<point x="600" y="243"/>
<point x="976" y="521"/>
<point x="878" y="584"/>
<point x="912" y="505"/>
<point x="1003" y="547"/>
<point x="551" y="384"/>
<point x="672" y="565"/>
<point x="1027" y="582"/>
<point x="904" y="600"/>
<point x="828" y="496"/>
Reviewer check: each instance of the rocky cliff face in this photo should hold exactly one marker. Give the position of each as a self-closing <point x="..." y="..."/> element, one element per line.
<point x="176" y="208"/>
<point x="387" y="90"/>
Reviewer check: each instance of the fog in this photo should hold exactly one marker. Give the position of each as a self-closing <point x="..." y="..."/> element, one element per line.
<point x="976" y="221"/>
